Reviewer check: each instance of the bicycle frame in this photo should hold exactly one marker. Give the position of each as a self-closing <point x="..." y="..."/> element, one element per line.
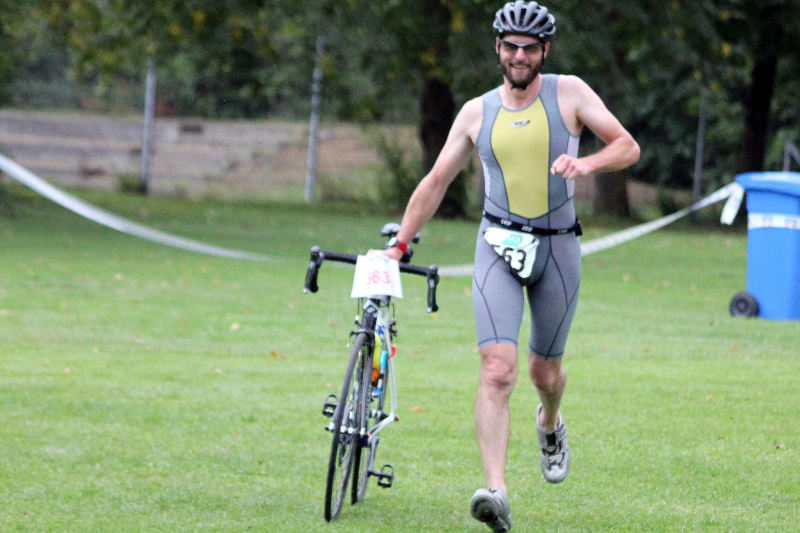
<point x="379" y="307"/>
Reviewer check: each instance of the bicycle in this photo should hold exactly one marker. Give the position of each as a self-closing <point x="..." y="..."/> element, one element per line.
<point x="368" y="376"/>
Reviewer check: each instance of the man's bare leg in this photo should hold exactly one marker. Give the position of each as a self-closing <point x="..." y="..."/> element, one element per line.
<point x="499" y="369"/>
<point x="550" y="380"/>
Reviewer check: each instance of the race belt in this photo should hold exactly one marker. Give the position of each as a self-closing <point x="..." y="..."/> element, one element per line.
<point x="576" y="228"/>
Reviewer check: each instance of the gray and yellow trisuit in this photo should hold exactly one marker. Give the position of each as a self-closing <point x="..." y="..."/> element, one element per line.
<point x="517" y="149"/>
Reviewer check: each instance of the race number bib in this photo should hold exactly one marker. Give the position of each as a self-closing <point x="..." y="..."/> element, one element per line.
<point x="517" y="248"/>
<point x="376" y="275"/>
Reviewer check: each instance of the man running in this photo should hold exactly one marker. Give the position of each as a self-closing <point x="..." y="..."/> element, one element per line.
<point x="526" y="132"/>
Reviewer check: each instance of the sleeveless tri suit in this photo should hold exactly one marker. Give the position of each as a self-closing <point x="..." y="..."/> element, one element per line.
<point x="517" y="149"/>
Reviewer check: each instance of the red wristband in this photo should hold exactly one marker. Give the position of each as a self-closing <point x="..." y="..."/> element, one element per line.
<point x="403" y="246"/>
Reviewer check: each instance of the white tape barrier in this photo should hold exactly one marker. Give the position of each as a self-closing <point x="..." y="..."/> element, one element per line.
<point x="112" y="221"/>
<point x="732" y="191"/>
<point x="729" y="191"/>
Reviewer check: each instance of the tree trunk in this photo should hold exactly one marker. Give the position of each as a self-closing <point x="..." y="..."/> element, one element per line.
<point x="757" y="111"/>
<point x="437" y="112"/>
<point x="610" y="191"/>
<point x="611" y="194"/>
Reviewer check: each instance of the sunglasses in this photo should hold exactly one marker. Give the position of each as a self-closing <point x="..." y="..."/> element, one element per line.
<point x="511" y="47"/>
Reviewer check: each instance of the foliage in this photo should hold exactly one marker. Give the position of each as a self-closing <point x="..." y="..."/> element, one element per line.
<point x="213" y="58"/>
<point x="655" y="80"/>
<point x="402" y="171"/>
<point x="653" y="62"/>
<point x="6" y="64"/>
<point x="13" y="33"/>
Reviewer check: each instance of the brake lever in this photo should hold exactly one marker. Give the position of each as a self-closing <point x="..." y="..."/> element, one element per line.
<point x="313" y="270"/>
<point x="433" y="281"/>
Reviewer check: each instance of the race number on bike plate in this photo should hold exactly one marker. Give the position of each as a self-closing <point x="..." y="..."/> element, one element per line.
<point x="518" y="249"/>
<point x="376" y="275"/>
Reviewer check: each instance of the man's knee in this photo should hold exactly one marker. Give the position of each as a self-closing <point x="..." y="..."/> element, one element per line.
<point x="499" y="365"/>
<point x="547" y="375"/>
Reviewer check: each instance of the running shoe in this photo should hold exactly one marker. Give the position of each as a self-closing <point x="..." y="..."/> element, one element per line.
<point x="491" y="507"/>
<point x="555" y="451"/>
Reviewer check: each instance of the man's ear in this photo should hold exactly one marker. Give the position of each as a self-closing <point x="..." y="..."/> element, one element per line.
<point x="546" y="48"/>
<point x="497" y="45"/>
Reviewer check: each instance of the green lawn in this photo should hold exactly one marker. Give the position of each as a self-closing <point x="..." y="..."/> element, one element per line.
<point x="149" y="389"/>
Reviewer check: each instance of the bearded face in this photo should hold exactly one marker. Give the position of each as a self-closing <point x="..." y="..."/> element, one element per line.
<point x="520" y="59"/>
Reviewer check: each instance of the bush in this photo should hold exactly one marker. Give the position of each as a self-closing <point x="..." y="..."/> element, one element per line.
<point x="402" y="170"/>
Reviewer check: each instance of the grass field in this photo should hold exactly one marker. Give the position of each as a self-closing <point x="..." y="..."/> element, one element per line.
<point x="149" y="389"/>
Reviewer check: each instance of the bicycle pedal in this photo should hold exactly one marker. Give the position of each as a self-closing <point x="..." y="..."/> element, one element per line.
<point x="385" y="476"/>
<point x="329" y="405"/>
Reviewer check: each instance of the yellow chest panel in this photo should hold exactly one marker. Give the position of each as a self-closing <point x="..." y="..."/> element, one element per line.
<point x="521" y="145"/>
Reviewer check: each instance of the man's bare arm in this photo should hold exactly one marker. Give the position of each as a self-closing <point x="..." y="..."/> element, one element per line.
<point x="585" y="108"/>
<point x="454" y="156"/>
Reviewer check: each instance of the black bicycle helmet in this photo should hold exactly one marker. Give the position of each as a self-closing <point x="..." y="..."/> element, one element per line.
<point x="525" y="18"/>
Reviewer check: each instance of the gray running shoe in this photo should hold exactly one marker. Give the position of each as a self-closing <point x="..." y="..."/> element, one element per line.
<point x="491" y="507"/>
<point x="555" y="451"/>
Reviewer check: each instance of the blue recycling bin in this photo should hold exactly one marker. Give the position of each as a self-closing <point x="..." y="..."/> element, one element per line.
<point x="773" y="246"/>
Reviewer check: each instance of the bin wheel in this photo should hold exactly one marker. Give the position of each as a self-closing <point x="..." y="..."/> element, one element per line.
<point x="744" y="304"/>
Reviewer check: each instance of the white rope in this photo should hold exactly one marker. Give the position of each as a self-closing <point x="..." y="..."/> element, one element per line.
<point x="113" y="221"/>
<point x="27" y="178"/>
<point x="615" y="239"/>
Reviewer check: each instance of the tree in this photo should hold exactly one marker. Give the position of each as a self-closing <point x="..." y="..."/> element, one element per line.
<point x="17" y="42"/>
<point x="8" y="44"/>
<point x="417" y="61"/>
<point x="409" y="52"/>
<point x="767" y="30"/>
<point x="215" y="59"/>
<point x="653" y="62"/>
<point x="637" y="56"/>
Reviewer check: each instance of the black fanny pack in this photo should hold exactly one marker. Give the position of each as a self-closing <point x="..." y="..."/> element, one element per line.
<point x="576" y="228"/>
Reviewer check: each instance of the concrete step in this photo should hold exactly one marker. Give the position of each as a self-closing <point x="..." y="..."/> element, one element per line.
<point x="77" y="126"/>
<point x="72" y="149"/>
<point x="270" y="135"/>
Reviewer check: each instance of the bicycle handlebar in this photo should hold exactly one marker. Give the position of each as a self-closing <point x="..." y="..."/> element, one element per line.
<point x="318" y="256"/>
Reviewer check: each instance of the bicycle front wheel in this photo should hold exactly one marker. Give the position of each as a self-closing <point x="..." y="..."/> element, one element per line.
<point x="346" y="425"/>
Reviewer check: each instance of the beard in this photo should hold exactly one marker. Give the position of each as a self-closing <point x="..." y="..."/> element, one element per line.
<point x="524" y="79"/>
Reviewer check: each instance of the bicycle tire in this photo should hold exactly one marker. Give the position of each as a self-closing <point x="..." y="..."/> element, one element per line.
<point x="349" y="410"/>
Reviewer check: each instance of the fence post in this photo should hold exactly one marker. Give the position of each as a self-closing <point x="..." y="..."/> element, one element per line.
<point x="313" y="130"/>
<point x="790" y="151"/>
<point x="699" y="150"/>
<point x="147" y="129"/>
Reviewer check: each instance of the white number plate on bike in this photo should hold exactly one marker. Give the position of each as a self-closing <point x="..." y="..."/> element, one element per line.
<point x="517" y="248"/>
<point x="376" y="275"/>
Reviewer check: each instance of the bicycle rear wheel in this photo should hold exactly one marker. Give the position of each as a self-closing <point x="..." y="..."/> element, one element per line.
<point x="365" y="455"/>
<point x="347" y="420"/>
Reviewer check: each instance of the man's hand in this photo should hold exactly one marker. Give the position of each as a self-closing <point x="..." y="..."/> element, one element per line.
<point x="392" y="253"/>
<point x="570" y="167"/>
